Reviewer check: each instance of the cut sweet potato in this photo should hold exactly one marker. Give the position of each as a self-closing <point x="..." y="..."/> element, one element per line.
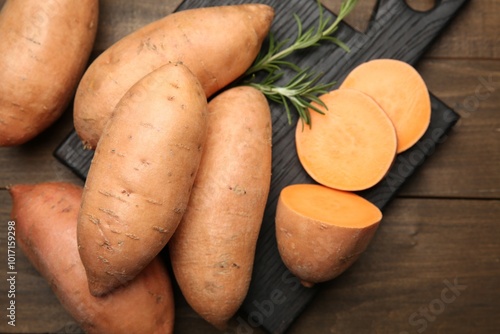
<point x="322" y="231"/>
<point x="350" y="147"/>
<point x="46" y="217"/>
<point x="400" y="90"/>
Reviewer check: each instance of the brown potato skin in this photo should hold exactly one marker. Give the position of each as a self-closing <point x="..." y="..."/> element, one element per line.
<point x="141" y="176"/>
<point x="44" y="48"/>
<point x="45" y="216"/>
<point x="212" y="251"/>
<point x="218" y="44"/>
<point x="316" y="252"/>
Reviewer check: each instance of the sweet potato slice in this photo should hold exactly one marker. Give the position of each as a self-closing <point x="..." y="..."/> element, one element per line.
<point x="400" y="90"/>
<point x="46" y="217"/>
<point x="352" y="146"/>
<point x="322" y="231"/>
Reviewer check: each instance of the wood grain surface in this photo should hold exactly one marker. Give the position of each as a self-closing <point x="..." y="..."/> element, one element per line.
<point x="434" y="264"/>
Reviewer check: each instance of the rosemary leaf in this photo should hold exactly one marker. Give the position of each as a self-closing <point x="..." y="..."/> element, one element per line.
<point x="303" y="40"/>
<point x="302" y="91"/>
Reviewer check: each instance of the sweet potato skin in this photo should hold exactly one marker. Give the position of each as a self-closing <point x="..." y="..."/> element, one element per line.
<point x="141" y="176"/>
<point x="197" y="37"/>
<point x="44" y="48"/>
<point x="212" y="251"/>
<point x="46" y="219"/>
<point x="317" y="252"/>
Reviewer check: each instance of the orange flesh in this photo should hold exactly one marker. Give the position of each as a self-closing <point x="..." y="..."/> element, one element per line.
<point x="352" y="146"/>
<point x="401" y="92"/>
<point x="330" y="206"/>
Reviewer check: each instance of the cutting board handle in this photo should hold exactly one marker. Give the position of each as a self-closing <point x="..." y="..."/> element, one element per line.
<point x="441" y="6"/>
<point x="397" y="31"/>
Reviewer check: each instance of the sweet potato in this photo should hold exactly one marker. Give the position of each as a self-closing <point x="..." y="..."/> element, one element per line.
<point x="212" y="250"/>
<point x="322" y="231"/>
<point x="400" y="90"/>
<point x="46" y="217"/>
<point x="141" y="176"/>
<point x="218" y="44"/>
<point x="44" y="48"/>
<point x="350" y="147"/>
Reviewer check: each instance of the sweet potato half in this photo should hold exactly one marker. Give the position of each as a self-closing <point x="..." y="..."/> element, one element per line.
<point x="218" y="44"/>
<point x="46" y="218"/>
<point x="213" y="249"/>
<point x="44" y="48"/>
<point x="141" y="176"/>
<point x="321" y="231"/>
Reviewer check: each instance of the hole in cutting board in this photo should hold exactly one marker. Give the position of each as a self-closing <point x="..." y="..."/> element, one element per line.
<point x="421" y="5"/>
<point x="359" y="18"/>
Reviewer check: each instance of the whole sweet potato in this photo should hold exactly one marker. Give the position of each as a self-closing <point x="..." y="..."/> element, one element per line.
<point x="44" y="48"/>
<point x="46" y="218"/>
<point x="141" y="176"/>
<point x="218" y="44"/>
<point x="213" y="249"/>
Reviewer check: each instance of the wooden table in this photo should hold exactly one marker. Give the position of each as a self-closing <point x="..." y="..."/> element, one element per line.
<point x="434" y="265"/>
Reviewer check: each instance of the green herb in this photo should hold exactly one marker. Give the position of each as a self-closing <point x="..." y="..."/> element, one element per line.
<point x="303" y="89"/>
<point x="274" y="58"/>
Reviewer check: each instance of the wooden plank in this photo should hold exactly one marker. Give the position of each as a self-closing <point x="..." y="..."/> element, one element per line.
<point x="119" y="18"/>
<point x="34" y="162"/>
<point x="469" y="36"/>
<point x="472" y="34"/>
<point x="420" y="244"/>
<point x="359" y="17"/>
<point x="467" y="163"/>
<point x="388" y="285"/>
<point x="395" y="32"/>
<point x="361" y="14"/>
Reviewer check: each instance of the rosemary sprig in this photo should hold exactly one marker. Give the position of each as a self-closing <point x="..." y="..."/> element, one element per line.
<point x="303" y="89"/>
<point x="274" y="58"/>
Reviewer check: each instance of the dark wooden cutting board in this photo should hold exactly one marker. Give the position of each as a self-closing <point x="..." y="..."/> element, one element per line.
<point x="275" y="297"/>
